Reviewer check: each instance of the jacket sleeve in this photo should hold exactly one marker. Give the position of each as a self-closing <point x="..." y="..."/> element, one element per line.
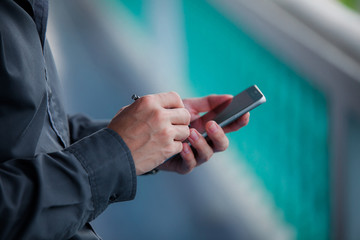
<point x="51" y="196"/>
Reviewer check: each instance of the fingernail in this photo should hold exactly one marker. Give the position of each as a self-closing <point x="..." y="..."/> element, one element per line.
<point x="186" y="148"/>
<point x="193" y="135"/>
<point x="213" y="127"/>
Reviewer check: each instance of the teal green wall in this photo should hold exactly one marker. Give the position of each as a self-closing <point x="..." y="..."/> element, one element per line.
<point x="136" y="7"/>
<point x="286" y="142"/>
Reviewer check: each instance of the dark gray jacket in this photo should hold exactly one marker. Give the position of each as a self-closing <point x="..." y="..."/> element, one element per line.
<point x="56" y="173"/>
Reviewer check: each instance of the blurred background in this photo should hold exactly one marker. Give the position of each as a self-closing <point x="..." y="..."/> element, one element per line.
<point x="292" y="173"/>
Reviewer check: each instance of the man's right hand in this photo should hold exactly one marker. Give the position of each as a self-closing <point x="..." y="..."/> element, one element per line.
<point x="153" y="128"/>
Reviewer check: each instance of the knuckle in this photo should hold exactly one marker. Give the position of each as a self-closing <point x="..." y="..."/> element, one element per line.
<point x="167" y="133"/>
<point x="172" y="149"/>
<point x="178" y="147"/>
<point x="208" y="156"/>
<point x="146" y="100"/>
<point x="167" y="151"/>
<point x="205" y="156"/>
<point x="158" y="116"/>
<point x="189" y="167"/>
<point x="187" y="116"/>
<point x="177" y="97"/>
<point x="175" y="94"/>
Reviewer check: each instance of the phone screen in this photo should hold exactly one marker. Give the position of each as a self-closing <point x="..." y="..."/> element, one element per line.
<point x="231" y="110"/>
<point x="239" y="103"/>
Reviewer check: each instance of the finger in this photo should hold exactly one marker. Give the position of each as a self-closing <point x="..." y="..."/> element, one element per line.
<point x="182" y="132"/>
<point x="203" y="149"/>
<point x="170" y="100"/>
<point x="215" y="111"/>
<point x="188" y="159"/>
<point x="205" y="104"/>
<point x="217" y="136"/>
<point x="237" y="124"/>
<point x="179" y="116"/>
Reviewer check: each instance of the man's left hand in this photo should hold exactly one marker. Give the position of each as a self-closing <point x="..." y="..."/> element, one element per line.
<point x="189" y="159"/>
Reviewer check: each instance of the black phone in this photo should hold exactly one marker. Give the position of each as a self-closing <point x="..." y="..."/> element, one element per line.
<point x="229" y="111"/>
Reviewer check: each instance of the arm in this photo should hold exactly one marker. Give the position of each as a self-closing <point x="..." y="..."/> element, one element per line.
<point x="48" y="193"/>
<point x="51" y="196"/>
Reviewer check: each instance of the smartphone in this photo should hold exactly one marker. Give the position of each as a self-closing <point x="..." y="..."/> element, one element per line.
<point x="229" y="111"/>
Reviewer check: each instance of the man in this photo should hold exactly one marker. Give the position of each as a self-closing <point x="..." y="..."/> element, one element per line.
<point x="58" y="173"/>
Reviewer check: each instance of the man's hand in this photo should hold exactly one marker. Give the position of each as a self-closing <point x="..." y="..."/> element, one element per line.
<point x="188" y="159"/>
<point x="153" y="128"/>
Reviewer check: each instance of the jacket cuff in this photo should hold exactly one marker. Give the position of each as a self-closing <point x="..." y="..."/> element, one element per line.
<point x="110" y="167"/>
